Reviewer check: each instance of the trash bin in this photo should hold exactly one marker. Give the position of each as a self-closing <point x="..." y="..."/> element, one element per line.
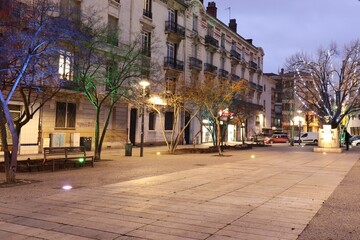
<point x="128" y="149"/>
<point x="86" y="142"/>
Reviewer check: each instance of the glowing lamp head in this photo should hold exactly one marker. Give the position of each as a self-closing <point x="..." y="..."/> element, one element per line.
<point x="67" y="187"/>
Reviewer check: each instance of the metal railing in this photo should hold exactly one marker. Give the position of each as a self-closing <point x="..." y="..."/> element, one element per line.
<point x="171" y="26"/>
<point x="211" y="41"/>
<point x="173" y="63"/>
<point x="195" y="63"/>
<point x="210" y="68"/>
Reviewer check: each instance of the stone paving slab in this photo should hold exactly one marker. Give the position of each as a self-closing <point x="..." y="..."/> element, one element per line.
<point x="266" y="197"/>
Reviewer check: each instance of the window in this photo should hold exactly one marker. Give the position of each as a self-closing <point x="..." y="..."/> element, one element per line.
<point x="210" y="30"/>
<point x="146" y="43"/>
<point x="170" y="85"/>
<point x="278" y="109"/>
<point x="222" y="40"/>
<point x="194" y="50"/>
<point x="195" y="23"/>
<point x="242" y="73"/>
<point x="147" y="8"/>
<point x="169" y="120"/>
<point x="65" y="115"/>
<point x="15" y="112"/>
<point x="222" y="63"/>
<point x="233" y="45"/>
<point x="170" y="50"/>
<point x="152" y="120"/>
<point x="171" y="16"/>
<point x="113" y="34"/>
<point x="209" y="57"/>
<point x="66" y="65"/>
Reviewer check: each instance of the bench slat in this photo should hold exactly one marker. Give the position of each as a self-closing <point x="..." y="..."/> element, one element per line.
<point x="65" y="153"/>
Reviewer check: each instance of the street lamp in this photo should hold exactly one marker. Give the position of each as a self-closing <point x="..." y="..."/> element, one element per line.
<point x="144" y="84"/>
<point x="299" y="112"/>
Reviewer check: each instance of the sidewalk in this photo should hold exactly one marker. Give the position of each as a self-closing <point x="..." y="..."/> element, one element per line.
<point x="263" y="193"/>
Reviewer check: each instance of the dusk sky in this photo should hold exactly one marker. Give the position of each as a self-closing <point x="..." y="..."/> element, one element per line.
<point x="285" y="27"/>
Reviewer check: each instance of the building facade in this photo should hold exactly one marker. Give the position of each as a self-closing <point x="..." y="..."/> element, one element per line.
<point x="188" y="42"/>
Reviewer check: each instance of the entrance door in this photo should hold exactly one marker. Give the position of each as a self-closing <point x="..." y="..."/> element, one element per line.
<point x="133" y="118"/>
<point x="187" y="129"/>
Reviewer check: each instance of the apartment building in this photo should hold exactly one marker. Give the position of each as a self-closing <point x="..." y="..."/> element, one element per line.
<point x="186" y="39"/>
<point x="290" y="115"/>
<point x="224" y="53"/>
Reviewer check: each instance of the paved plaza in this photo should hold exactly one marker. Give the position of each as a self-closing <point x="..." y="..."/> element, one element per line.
<point x="262" y="193"/>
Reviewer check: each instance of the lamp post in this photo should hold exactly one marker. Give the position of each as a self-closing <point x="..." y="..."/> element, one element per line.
<point x="299" y="112"/>
<point x="144" y="84"/>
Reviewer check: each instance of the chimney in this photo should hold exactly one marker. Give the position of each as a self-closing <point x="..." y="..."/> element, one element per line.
<point x="233" y="25"/>
<point x="211" y="9"/>
<point x="249" y="41"/>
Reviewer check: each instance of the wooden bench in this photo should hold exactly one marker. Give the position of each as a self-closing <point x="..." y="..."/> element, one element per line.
<point x="65" y="154"/>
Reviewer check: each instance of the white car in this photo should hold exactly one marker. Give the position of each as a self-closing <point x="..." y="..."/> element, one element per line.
<point x="356" y="142"/>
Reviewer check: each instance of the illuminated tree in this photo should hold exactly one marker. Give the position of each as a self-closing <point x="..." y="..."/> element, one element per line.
<point x="214" y="97"/>
<point x="107" y="71"/>
<point x="31" y="41"/>
<point x="328" y="84"/>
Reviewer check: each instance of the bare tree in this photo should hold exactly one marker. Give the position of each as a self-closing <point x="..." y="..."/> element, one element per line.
<point x="30" y="43"/>
<point x="329" y="83"/>
<point x="177" y="99"/>
<point x="214" y="97"/>
<point x="107" y="71"/>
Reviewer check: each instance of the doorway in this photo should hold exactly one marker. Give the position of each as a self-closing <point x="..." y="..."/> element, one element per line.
<point x="133" y="120"/>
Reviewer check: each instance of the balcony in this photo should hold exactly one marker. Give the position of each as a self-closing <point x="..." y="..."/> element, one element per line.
<point x="147" y="13"/>
<point x="195" y="63"/>
<point x="70" y="85"/>
<point x="223" y="73"/>
<point x="235" y="77"/>
<point x="171" y="63"/>
<point x="211" y="42"/>
<point x="209" y="68"/>
<point x="174" y="31"/>
<point x="253" y="65"/>
<point x="259" y="87"/>
<point x="252" y="85"/>
<point x="235" y="56"/>
<point x="247" y="105"/>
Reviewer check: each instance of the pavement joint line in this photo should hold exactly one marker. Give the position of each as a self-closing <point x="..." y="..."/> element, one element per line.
<point x="181" y="207"/>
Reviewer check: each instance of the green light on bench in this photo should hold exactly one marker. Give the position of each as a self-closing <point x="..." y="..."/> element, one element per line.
<point x="81" y="160"/>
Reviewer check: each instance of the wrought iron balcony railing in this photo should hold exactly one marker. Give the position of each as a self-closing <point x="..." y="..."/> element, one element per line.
<point x="235" y="77"/>
<point x="171" y="62"/>
<point x="253" y="65"/>
<point x="223" y="73"/>
<point x="173" y="27"/>
<point x="235" y="55"/>
<point x="211" y="41"/>
<point x="210" y="68"/>
<point x="195" y="63"/>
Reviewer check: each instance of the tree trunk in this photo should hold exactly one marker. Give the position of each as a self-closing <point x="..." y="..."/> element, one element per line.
<point x="97" y="131"/>
<point x="10" y="157"/>
<point x="103" y="132"/>
<point x="218" y="130"/>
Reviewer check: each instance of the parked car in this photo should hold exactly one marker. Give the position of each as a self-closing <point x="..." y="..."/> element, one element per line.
<point x="356" y="142"/>
<point x="353" y="138"/>
<point x="307" y="137"/>
<point x="277" y="138"/>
